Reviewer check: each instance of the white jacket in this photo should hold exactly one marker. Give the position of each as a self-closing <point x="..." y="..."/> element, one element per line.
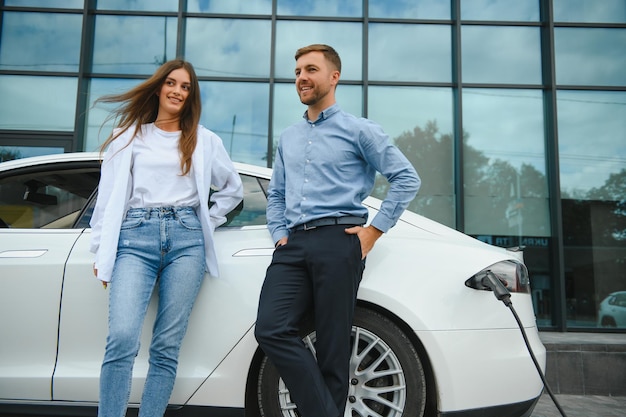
<point x="212" y="168"/>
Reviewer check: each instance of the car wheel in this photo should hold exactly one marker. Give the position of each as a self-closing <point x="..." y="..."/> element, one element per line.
<point x="386" y="374"/>
<point x="608" y="321"/>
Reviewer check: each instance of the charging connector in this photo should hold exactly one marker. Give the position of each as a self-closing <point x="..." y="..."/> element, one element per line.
<point x="491" y="281"/>
<point x="488" y="280"/>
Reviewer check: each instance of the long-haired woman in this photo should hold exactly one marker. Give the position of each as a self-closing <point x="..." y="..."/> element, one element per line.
<point x="152" y="227"/>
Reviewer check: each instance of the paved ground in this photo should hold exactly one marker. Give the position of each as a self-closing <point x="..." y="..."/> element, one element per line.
<point x="581" y="406"/>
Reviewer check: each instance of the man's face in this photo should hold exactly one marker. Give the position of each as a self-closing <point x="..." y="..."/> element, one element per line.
<point x="315" y="78"/>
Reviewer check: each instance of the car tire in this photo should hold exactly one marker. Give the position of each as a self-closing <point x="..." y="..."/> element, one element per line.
<point x="394" y="387"/>
<point x="608" y="321"/>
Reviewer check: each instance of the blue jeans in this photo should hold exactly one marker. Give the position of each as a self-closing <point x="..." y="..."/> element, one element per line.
<point x="163" y="246"/>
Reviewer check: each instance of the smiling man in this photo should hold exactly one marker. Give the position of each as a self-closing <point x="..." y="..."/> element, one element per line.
<point x="325" y="167"/>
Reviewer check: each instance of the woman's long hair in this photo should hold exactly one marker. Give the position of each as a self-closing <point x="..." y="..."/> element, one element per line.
<point x="140" y="105"/>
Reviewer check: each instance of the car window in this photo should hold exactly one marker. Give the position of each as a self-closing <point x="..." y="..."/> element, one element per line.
<point x="53" y="198"/>
<point x="619" y="300"/>
<point x="252" y="210"/>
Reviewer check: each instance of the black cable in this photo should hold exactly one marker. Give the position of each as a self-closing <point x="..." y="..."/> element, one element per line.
<point x="532" y="355"/>
<point x="502" y="293"/>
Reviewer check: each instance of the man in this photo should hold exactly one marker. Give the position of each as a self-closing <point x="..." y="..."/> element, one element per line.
<point x="325" y="167"/>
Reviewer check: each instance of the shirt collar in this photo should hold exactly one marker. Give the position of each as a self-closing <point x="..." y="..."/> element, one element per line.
<point x="325" y="114"/>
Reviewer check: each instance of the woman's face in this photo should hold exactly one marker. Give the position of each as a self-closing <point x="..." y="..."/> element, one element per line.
<point x="173" y="93"/>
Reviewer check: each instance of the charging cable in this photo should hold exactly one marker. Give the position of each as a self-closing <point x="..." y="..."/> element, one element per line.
<point x="491" y="281"/>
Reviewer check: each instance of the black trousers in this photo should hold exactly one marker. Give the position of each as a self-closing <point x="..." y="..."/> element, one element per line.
<point x="318" y="271"/>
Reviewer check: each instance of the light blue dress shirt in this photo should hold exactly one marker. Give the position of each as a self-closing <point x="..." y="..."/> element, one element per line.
<point x="326" y="168"/>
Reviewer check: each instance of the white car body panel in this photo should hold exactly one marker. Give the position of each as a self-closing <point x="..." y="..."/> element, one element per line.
<point x="230" y="301"/>
<point x="31" y="301"/>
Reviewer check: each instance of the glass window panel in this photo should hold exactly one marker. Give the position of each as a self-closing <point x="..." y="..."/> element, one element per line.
<point x="501" y="55"/>
<point x="38" y="103"/>
<point x="592" y="128"/>
<point x="519" y="10"/>
<point x="138" y="5"/>
<point x="229" y="47"/>
<point x="410" y="9"/>
<point x="133" y="44"/>
<point x="63" y="4"/>
<point x="585" y="56"/>
<point x="590" y="11"/>
<point x="345" y="8"/>
<point x="592" y="154"/>
<point x="426" y="58"/>
<point x="289" y="110"/>
<point x="346" y="38"/>
<point x="230" y="6"/>
<point x="98" y="128"/>
<point x="238" y="113"/>
<point x="505" y="182"/>
<point x="40" y="41"/>
<point x="9" y="153"/>
<point x="419" y="121"/>
<point x="506" y="192"/>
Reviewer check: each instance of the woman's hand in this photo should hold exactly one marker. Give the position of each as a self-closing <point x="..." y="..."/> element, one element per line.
<point x="95" y="272"/>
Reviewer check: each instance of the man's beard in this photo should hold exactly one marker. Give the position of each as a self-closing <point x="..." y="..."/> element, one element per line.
<point x="314" y="98"/>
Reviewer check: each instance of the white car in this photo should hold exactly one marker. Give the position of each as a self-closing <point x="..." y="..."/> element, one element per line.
<point x="427" y="340"/>
<point x="612" y="311"/>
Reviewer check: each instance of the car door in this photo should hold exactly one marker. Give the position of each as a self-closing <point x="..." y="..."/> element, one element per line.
<point x="224" y="311"/>
<point x="37" y="204"/>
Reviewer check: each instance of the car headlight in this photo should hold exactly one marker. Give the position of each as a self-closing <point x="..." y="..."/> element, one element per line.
<point x="513" y="275"/>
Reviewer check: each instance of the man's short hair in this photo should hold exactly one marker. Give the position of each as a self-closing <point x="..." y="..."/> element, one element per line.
<point x="329" y="53"/>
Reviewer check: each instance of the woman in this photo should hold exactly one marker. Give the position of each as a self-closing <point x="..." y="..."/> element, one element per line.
<point x="152" y="227"/>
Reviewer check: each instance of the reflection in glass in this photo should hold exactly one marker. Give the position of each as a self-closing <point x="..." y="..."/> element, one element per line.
<point x="501" y="55"/>
<point x="65" y="4"/>
<point x="239" y="114"/>
<point x="592" y="128"/>
<point x="288" y="109"/>
<point x="38" y="103"/>
<point x="410" y="9"/>
<point x="419" y="121"/>
<point x="344" y="8"/>
<point x="9" y="153"/>
<point x="506" y="191"/>
<point x="590" y="11"/>
<point x="586" y="56"/>
<point x="518" y="10"/>
<point x="97" y="131"/>
<point x="343" y="36"/>
<point x="229" y="47"/>
<point x="40" y="41"/>
<point x="230" y="6"/>
<point x="138" y="5"/>
<point x="133" y="44"/>
<point x="427" y="58"/>
<point x="592" y="155"/>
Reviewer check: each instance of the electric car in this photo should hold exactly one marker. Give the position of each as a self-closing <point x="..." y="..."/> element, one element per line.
<point x="430" y="337"/>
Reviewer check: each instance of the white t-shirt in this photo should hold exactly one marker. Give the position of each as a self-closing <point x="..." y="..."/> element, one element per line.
<point x="156" y="172"/>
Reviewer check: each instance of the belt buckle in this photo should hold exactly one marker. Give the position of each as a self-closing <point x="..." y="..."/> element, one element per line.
<point x="305" y="227"/>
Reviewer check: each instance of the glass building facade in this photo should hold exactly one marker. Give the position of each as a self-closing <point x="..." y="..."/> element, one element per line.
<point x="513" y="113"/>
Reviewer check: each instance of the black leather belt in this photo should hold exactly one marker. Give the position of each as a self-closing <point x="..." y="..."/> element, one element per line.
<point x="331" y="221"/>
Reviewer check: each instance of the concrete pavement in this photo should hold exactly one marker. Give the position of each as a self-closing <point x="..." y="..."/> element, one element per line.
<point x="581" y="406"/>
